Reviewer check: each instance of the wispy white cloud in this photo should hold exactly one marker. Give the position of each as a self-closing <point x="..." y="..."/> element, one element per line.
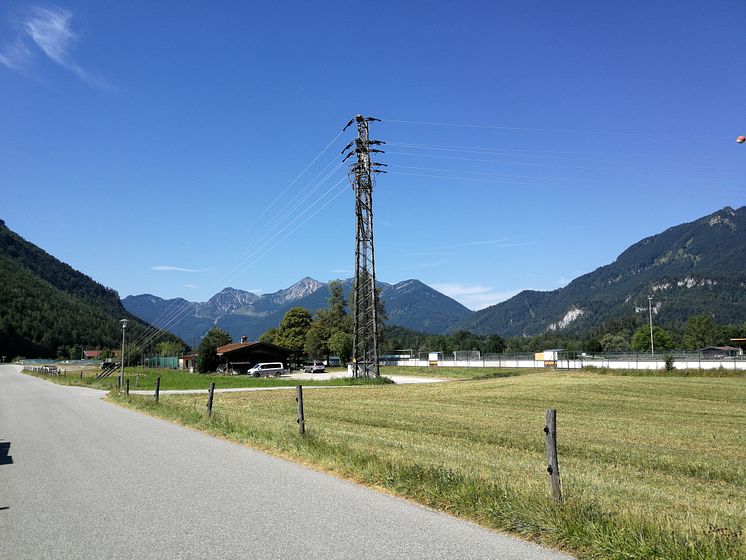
<point x="15" y="55"/>
<point x="169" y="268"/>
<point x="500" y="243"/>
<point x="50" y="30"/>
<point x="473" y="296"/>
<point x="428" y="254"/>
<point x="191" y="286"/>
<point x="341" y="271"/>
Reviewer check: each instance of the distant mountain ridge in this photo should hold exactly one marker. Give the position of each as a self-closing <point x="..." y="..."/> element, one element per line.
<point x="689" y="269"/>
<point x="410" y="303"/>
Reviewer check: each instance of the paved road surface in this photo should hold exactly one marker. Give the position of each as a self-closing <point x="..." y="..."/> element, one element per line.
<point x="91" y="480"/>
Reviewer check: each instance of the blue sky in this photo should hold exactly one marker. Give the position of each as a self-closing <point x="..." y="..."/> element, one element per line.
<point x="160" y="147"/>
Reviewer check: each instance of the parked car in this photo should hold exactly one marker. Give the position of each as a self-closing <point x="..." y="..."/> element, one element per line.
<point x="313" y="367"/>
<point x="266" y="369"/>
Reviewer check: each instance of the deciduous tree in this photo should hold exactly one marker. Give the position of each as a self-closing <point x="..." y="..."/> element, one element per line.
<point x="700" y="331"/>
<point x="207" y="357"/>
<point x="661" y="339"/>
<point x="293" y="330"/>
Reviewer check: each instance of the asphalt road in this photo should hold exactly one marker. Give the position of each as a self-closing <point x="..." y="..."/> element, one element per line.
<point x="82" y="478"/>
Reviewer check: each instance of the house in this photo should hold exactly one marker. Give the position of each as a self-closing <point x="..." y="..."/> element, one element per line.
<point x="719" y="351"/>
<point x="240" y="356"/>
<point x="91" y="354"/>
<point x="188" y="362"/>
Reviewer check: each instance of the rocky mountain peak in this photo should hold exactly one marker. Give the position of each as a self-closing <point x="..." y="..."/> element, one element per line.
<point x="228" y="300"/>
<point x="302" y="288"/>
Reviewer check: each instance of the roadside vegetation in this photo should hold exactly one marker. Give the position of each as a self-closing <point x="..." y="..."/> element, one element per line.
<point x="144" y="379"/>
<point x="652" y="467"/>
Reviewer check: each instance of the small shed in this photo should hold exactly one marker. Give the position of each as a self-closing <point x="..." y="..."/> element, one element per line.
<point x="187" y="362"/>
<point x="240" y="356"/>
<point x="549" y="357"/>
<point x="719" y="351"/>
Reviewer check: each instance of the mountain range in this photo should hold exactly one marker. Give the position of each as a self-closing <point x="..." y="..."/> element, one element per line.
<point x="689" y="269"/>
<point x="410" y="304"/>
<point x="47" y="308"/>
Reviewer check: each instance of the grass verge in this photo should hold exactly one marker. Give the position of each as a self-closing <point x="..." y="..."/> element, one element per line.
<point x="174" y="379"/>
<point x="652" y="467"/>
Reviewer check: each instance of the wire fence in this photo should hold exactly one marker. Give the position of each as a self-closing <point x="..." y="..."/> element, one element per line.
<point x="571" y="360"/>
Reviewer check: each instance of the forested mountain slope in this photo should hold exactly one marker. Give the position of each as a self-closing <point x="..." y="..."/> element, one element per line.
<point x="49" y="309"/>
<point x="689" y="269"/>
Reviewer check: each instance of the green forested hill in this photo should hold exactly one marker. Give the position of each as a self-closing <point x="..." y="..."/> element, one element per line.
<point x="49" y="309"/>
<point x="690" y="269"/>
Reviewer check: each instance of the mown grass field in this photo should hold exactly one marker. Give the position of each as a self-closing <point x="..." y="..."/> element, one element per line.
<point x="456" y="372"/>
<point x="652" y="467"/>
<point x="142" y="379"/>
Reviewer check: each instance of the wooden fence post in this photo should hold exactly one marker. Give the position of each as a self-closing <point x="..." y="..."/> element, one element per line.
<point x="81" y="375"/>
<point x="127" y="388"/>
<point x="157" y="389"/>
<point x="301" y="418"/>
<point x="209" y="399"/>
<point x="550" y="429"/>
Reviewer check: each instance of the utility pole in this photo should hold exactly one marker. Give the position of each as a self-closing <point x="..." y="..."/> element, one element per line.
<point x="124" y="326"/>
<point x="650" y="315"/>
<point x="364" y="300"/>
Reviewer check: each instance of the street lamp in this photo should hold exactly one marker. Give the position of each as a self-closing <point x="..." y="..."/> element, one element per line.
<point x="650" y="314"/>
<point x="121" y="376"/>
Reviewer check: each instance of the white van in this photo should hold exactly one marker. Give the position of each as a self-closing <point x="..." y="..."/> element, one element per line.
<point x="266" y="369"/>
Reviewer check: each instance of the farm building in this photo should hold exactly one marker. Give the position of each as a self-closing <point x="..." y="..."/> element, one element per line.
<point x="240" y="356"/>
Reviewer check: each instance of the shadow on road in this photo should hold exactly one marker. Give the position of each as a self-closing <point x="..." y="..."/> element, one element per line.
<point x="5" y="458"/>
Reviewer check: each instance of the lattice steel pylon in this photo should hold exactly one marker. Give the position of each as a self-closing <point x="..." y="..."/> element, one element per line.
<point x="364" y="297"/>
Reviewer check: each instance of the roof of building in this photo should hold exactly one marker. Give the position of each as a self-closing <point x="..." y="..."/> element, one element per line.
<point x="233" y="346"/>
<point x="91" y="353"/>
<point x="723" y="348"/>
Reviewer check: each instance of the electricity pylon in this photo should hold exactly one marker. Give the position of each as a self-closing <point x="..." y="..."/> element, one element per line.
<point x="364" y="298"/>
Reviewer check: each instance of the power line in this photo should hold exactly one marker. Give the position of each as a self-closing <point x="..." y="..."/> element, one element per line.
<point x="519" y="128"/>
<point x="174" y="312"/>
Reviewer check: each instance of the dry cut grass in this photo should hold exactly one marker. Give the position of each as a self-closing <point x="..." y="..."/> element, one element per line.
<point x="652" y="467"/>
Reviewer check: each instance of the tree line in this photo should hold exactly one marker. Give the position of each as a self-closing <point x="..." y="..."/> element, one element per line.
<point x="328" y="332"/>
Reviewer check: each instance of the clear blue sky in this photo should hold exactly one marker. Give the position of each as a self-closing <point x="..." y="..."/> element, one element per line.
<point x="138" y="138"/>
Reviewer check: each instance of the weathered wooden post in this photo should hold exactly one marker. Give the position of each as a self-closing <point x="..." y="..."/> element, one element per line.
<point x="157" y="389"/>
<point x="209" y="399"/>
<point x="137" y="380"/>
<point x="550" y="429"/>
<point x="127" y="388"/>
<point x="301" y="418"/>
<point x="81" y="375"/>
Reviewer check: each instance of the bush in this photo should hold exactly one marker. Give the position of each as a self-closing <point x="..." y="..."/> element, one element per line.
<point x="669" y="362"/>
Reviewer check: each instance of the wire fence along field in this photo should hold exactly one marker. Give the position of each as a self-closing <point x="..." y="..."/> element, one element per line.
<point x="569" y="360"/>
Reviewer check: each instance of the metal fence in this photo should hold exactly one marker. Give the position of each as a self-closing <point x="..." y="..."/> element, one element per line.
<point x="571" y="360"/>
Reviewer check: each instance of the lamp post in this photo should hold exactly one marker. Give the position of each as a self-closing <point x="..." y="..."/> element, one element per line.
<point x="650" y="314"/>
<point x="121" y="376"/>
